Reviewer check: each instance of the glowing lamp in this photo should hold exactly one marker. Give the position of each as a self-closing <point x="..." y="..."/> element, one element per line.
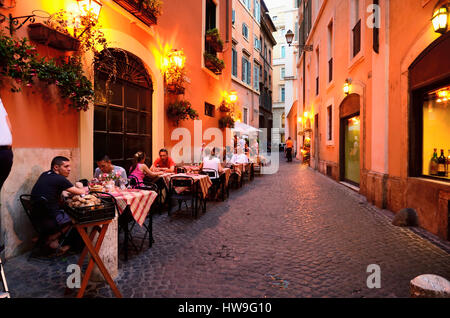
<point x="299" y="119"/>
<point x="176" y="59"/>
<point x="233" y="97"/>
<point x="347" y="87"/>
<point x="90" y="7"/>
<point x="440" y="19"/>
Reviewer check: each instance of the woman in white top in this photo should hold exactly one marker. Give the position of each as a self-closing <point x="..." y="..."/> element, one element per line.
<point x="212" y="162"/>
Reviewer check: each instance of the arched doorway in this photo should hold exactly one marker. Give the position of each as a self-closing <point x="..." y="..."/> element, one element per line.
<point x="122" y="108"/>
<point x="350" y="141"/>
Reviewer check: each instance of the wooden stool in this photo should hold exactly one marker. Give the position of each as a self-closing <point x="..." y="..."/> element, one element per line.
<point x="99" y="227"/>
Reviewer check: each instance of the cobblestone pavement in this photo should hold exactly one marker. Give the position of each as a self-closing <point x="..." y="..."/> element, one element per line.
<point x="292" y="234"/>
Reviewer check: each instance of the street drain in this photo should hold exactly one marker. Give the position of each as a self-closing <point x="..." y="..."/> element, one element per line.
<point x="277" y="281"/>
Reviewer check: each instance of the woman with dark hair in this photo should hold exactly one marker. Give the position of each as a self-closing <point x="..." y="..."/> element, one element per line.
<point x="139" y="169"/>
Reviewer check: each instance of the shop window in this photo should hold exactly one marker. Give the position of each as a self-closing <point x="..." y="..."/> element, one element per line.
<point x="436" y="133"/>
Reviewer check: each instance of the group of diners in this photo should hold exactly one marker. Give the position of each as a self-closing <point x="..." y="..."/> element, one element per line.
<point x="53" y="185"/>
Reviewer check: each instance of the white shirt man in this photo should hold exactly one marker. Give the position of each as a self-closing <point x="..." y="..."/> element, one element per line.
<point x="6" y="154"/>
<point x="5" y="132"/>
<point x="239" y="158"/>
<point x="211" y="163"/>
<point x="242" y="143"/>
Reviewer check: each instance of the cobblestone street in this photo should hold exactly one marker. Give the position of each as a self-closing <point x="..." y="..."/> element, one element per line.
<point x="293" y="234"/>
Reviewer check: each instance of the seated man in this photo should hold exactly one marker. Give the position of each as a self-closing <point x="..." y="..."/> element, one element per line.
<point x="50" y="185"/>
<point x="212" y="162"/>
<point x="164" y="162"/>
<point x="105" y="166"/>
<point x="239" y="158"/>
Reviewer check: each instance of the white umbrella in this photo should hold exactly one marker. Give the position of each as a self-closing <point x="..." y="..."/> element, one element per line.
<point x="244" y="128"/>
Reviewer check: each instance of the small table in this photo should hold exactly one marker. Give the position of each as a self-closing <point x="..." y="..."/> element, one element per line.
<point x="134" y="204"/>
<point x="99" y="227"/>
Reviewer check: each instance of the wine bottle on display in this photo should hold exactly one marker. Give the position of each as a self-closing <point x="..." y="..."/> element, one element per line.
<point x="442" y="161"/>
<point x="447" y="174"/>
<point x="434" y="163"/>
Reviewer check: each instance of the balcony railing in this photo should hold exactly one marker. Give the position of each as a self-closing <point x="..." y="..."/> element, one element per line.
<point x="138" y="9"/>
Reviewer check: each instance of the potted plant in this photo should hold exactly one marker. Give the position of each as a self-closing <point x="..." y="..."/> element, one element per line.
<point x="213" y="63"/>
<point x="226" y="122"/>
<point x="213" y="39"/>
<point x="145" y="10"/>
<point x="181" y="110"/>
<point x="20" y="62"/>
<point x="224" y="108"/>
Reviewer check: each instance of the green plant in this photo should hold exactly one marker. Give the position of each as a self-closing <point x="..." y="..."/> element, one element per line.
<point x="213" y="32"/>
<point x="67" y="74"/>
<point x="155" y="6"/>
<point x="19" y="61"/>
<point x="224" y="107"/>
<point x="218" y="63"/>
<point x="15" y="57"/>
<point x="85" y="28"/>
<point x="215" y="37"/>
<point x="181" y="110"/>
<point x="226" y="122"/>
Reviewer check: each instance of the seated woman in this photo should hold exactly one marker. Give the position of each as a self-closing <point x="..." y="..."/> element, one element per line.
<point x="139" y="169"/>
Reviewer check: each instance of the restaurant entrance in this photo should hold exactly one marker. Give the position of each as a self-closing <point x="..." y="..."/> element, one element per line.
<point x="122" y="108"/>
<point x="350" y="141"/>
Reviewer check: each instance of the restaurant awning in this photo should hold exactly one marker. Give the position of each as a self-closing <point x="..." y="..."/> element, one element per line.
<point x="244" y="128"/>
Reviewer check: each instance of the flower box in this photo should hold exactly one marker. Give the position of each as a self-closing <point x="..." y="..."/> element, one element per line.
<point x="213" y="41"/>
<point x="136" y="8"/>
<point x="213" y="65"/>
<point x="43" y="34"/>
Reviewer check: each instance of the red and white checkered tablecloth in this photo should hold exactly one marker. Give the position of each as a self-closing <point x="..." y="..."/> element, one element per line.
<point x="227" y="172"/>
<point x="139" y="201"/>
<point x="204" y="181"/>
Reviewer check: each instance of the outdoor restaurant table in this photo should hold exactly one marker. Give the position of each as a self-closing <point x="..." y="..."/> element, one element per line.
<point x="227" y="172"/>
<point x="135" y="203"/>
<point x="98" y="227"/>
<point x="204" y="181"/>
<point x="138" y="201"/>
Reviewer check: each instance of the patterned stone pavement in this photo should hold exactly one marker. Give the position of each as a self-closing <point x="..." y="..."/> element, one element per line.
<point x="292" y="234"/>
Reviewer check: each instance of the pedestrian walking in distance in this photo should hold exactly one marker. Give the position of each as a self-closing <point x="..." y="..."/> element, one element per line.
<point x="289" y="148"/>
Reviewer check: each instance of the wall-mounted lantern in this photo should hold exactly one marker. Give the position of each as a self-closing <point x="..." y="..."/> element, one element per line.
<point x="289" y="37"/>
<point x="440" y="19"/>
<point x="233" y="97"/>
<point x="347" y="86"/>
<point x="172" y="66"/>
<point x="90" y="8"/>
